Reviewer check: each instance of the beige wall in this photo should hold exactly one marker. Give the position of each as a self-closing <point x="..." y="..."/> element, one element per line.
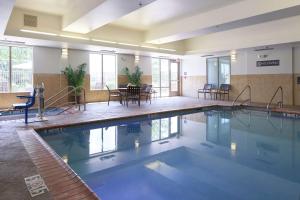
<point x="190" y="85"/>
<point x="263" y="87"/>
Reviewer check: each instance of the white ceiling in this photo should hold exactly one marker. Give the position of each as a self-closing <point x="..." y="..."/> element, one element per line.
<point x="56" y="7"/>
<point x="163" y="11"/>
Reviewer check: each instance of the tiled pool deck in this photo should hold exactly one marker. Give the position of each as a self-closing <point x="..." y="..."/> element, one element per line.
<point x="24" y="153"/>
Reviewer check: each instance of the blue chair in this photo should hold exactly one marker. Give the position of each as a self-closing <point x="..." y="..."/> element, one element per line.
<point x="25" y="106"/>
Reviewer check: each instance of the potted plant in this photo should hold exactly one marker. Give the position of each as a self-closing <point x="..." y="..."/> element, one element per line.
<point x="75" y="78"/>
<point x="134" y="78"/>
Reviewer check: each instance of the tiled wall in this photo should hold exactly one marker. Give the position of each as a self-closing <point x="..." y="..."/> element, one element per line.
<point x="263" y="87"/>
<point x="56" y="82"/>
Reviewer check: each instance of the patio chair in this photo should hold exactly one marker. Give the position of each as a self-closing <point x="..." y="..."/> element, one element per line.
<point x="206" y="90"/>
<point x="114" y="93"/>
<point x="25" y="106"/>
<point x="134" y="94"/>
<point x="223" y="90"/>
<point x="147" y="93"/>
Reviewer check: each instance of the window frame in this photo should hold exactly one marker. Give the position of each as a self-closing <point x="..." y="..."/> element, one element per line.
<point x="10" y="68"/>
<point x="218" y="60"/>
<point x="102" y="73"/>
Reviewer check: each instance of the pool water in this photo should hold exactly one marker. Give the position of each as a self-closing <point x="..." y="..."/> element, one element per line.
<point x="215" y="154"/>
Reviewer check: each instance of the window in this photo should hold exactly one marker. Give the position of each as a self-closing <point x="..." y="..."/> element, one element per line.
<point x="103" y="71"/>
<point x="165" y="77"/>
<point x="218" y="70"/>
<point x="16" y="69"/>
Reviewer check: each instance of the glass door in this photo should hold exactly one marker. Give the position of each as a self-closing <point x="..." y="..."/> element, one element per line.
<point x="224" y="70"/>
<point x="174" y="71"/>
<point x="165" y="77"/>
<point x="218" y="71"/>
<point x="212" y="71"/>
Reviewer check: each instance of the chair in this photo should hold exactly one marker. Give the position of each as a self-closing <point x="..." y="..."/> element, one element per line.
<point x="223" y="90"/>
<point x="133" y="93"/>
<point x="206" y="90"/>
<point x="147" y="93"/>
<point x="25" y="106"/>
<point x="114" y="94"/>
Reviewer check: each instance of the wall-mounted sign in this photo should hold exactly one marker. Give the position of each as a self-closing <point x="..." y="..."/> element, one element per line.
<point x="265" y="63"/>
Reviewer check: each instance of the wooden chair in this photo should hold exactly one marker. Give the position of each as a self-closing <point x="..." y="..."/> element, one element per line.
<point x="114" y="93"/>
<point x="223" y="90"/>
<point x="206" y="90"/>
<point x="133" y="93"/>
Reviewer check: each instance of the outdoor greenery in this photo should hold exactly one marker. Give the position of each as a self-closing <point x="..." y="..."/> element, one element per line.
<point x="135" y="77"/>
<point x="75" y="77"/>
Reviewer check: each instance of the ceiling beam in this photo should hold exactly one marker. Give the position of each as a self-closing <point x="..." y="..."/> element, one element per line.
<point x="244" y="13"/>
<point x="6" y="7"/>
<point x="104" y="13"/>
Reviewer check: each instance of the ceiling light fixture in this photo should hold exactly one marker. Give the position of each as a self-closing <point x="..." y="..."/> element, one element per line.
<point x="148" y="47"/>
<point x="104" y="41"/>
<point x="167" y="49"/>
<point x="37" y="32"/>
<point x="74" y="37"/>
<point x="127" y="44"/>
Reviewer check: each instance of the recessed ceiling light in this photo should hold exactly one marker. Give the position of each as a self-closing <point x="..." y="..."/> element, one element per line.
<point x="74" y="37"/>
<point x="127" y="44"/>
<point x="167" y="49"/>
<point x="38" y="32"/>
<point x="149" y="47"/>
<point x="104" y="41"/>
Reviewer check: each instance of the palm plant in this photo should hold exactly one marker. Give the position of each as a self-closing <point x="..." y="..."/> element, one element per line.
<point x="135" y="77"/>
<point x="75" y="77"/>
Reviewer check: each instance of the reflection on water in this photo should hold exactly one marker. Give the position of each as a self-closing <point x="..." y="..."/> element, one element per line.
<point x="251" y="138"/>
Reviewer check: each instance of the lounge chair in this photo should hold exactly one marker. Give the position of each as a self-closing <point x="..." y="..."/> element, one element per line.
<point x="206" y="90"/>
<point x="223" y="90"/>
<point x="114" y="93"/>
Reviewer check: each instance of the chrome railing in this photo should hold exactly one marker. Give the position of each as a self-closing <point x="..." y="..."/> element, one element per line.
<point x="247" y="100"/>
<point x="54" y="101"/>
<point x="279" y="103"/>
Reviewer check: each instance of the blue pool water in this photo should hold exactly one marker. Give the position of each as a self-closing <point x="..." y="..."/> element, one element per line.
<point x="214" y="154"/>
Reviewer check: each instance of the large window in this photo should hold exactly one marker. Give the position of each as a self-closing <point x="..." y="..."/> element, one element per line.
<point x="103" y="71"/>
<point x="218" y="70"/>
<point x="15" y="69"/>
<point x="165" y="77"/>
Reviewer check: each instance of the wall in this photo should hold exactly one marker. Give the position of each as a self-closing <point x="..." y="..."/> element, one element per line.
<point x="48" y="64"/>
<point x="263" y="80"/>
<point x="193" y="75"/>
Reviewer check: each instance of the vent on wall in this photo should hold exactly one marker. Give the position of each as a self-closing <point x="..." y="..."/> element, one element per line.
<point x="30" y="20"/>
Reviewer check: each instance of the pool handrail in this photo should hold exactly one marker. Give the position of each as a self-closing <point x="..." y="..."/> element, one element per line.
<point x="247" y="100"/>
<point x="280" y="103"/>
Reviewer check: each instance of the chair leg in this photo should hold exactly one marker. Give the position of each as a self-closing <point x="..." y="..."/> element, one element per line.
<point x="26" y="115"/>
<point x="204" y="95"/>
<point x="108" y="99"/>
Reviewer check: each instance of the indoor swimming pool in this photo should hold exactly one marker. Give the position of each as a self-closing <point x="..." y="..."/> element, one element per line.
<point x="213" y="154"/>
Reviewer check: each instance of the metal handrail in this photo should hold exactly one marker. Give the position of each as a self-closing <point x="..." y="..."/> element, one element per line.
<point x="247" y="87"/>
<point x="63" y="96"/>
<point x="60" y="92"/>
<point x="280" y="103"/>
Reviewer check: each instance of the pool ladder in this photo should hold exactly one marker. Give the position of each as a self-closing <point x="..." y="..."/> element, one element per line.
<point x="279" y="103"/>
<point x="54" y="101"/>
<point x="248" y="87"/>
